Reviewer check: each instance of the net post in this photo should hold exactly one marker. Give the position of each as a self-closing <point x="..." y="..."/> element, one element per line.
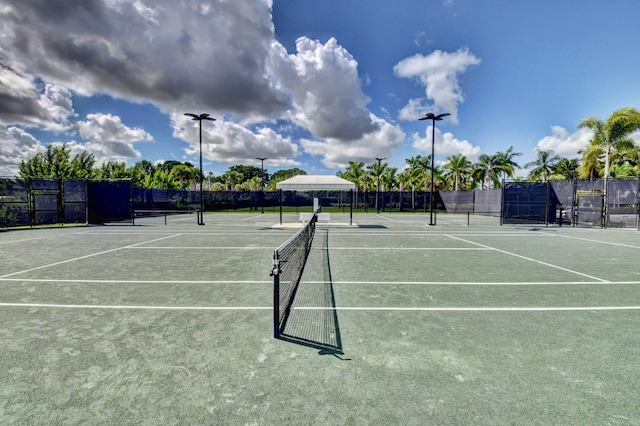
<point x="276" y="295"/>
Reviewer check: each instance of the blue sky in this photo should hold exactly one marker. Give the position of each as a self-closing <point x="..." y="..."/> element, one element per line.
<point x="311" y="85"/>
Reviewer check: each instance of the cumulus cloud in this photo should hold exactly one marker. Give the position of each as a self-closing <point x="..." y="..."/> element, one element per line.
<point x="16" y="145"/>
<point x="220" y="56"/>
<point x="325" y="90"/>
<point x="445" y="144"/>
<point x="337" y="153"/>
<point x="232" y="143"/>
<point x="438" y="73"/>
<point x="108" y="137"/>
<point x="564" y="143"/>
<point x="213" y="55"/>
<point x="24" y="101"/>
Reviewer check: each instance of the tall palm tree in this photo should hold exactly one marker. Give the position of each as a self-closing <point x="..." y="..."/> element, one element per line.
<point x="389" y="181"/>
<point x="488" y="170"/>
<point x="355" y="170"/>
<point x="420" y="167"/>
<point x="457" y="167"/>
<point x="506" y="160"/>
<point x="376" y="170"/>
<point x="543" y="165"/>
<point x="614" y="132"/>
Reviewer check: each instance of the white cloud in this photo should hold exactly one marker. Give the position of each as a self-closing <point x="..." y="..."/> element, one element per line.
<point x="563" y="143"/>
<point x="445" y="144"/>
<point x="16" y="145"/>
<point x="174" y="55"/>
<point x="220" y="56"/>
<point x="438" y="73"/>
<point x="231" y="143"/>
<point x="325" y="90"/>
<point x="107" y="136"/>
<point x="30" y="104"/>
<point x="337" y="153"/>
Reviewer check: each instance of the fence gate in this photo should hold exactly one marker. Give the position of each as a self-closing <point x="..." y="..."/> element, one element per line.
<point x="74" y="196"/>
<point x="589" y="203"/>
<point x="46" y="202"/>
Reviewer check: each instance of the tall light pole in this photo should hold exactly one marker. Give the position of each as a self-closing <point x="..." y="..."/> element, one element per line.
<point x="431" y="116"/>
<point x="262" y="177"/>
<point x="378" y="186"/>
<point x="199" y="118"/>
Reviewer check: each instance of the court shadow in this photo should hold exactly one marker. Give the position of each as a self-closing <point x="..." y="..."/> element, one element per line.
<point x="313" y="321"/>
<point x="372" y="226"/>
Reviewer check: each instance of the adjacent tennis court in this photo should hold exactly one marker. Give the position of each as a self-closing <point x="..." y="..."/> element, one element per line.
<point x="393" y="322"/>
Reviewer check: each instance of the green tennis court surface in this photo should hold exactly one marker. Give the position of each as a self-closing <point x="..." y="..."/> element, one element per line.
<point x="394" y="322"/>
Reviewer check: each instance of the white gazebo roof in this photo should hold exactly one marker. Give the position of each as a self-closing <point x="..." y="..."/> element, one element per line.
<point x="315" y="183"/>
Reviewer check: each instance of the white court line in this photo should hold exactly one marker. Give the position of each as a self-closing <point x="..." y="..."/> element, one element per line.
<point x="530" y="259"/>
<point x="269" y="282"/>
<point x="322" y="308"/>
<point x="598" y="241"/>
<point x="79" y="281"/>
<point x="463" y="283"/>
<point x="253" y="217"/>
<point x="486" y="309"/>
<point x="25" y="240"/>
<point x="423" y="234"/>
<point x="159" y="308"/>
<point x="413" y="248"/>
<point x="86" y="256"/>
<point x="199" y="248"/>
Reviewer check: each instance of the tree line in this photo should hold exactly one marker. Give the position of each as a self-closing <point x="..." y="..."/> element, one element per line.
<point x="611" y="153"/>
<point x="56" y="162"/>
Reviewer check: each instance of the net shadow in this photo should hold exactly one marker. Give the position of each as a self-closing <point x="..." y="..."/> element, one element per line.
<point x="313" y="320"/>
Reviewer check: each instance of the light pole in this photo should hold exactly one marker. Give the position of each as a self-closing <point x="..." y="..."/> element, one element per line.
<point x="378" y="185"/>
<point x="262" y="177"/>
<point x="431" y="116"/>
<point x="199" y="118"/>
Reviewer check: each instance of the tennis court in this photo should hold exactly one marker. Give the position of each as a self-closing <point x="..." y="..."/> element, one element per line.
<point x="394" y="322"/>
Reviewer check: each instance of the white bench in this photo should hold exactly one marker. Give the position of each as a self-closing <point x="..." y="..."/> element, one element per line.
<point x="322" y="217"/>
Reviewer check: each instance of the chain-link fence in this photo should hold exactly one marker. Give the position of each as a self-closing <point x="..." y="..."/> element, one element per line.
<point x="587" y="203"/>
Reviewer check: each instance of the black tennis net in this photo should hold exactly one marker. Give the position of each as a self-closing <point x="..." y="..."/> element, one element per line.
<point x="288" y="265"/>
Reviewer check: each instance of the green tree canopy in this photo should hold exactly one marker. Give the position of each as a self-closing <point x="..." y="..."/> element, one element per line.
<point x="281" y="175"/>
<point x="56" y="163"/>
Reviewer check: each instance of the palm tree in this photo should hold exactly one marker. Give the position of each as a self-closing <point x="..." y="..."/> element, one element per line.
<point x="489" y="169"/>
<point x="590" y="165"/>
<point x="543" y="165"/>
<point x="614" y="132"/>
<point x="354" y="172"/>
<point x="420" y="166"/>
<point x="233" y="178"/>
<point x="622" y="171"/>
<point x="389" y="181"/>
<point x="185" y="174"/>
<point x="376" y="170"/>
<point x="457" y="167"/>
<point x="506" y="161"/>
<point x="566" y="168"/>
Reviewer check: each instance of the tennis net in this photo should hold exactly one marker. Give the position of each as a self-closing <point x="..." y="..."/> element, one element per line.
<point x="288" y="265"/>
